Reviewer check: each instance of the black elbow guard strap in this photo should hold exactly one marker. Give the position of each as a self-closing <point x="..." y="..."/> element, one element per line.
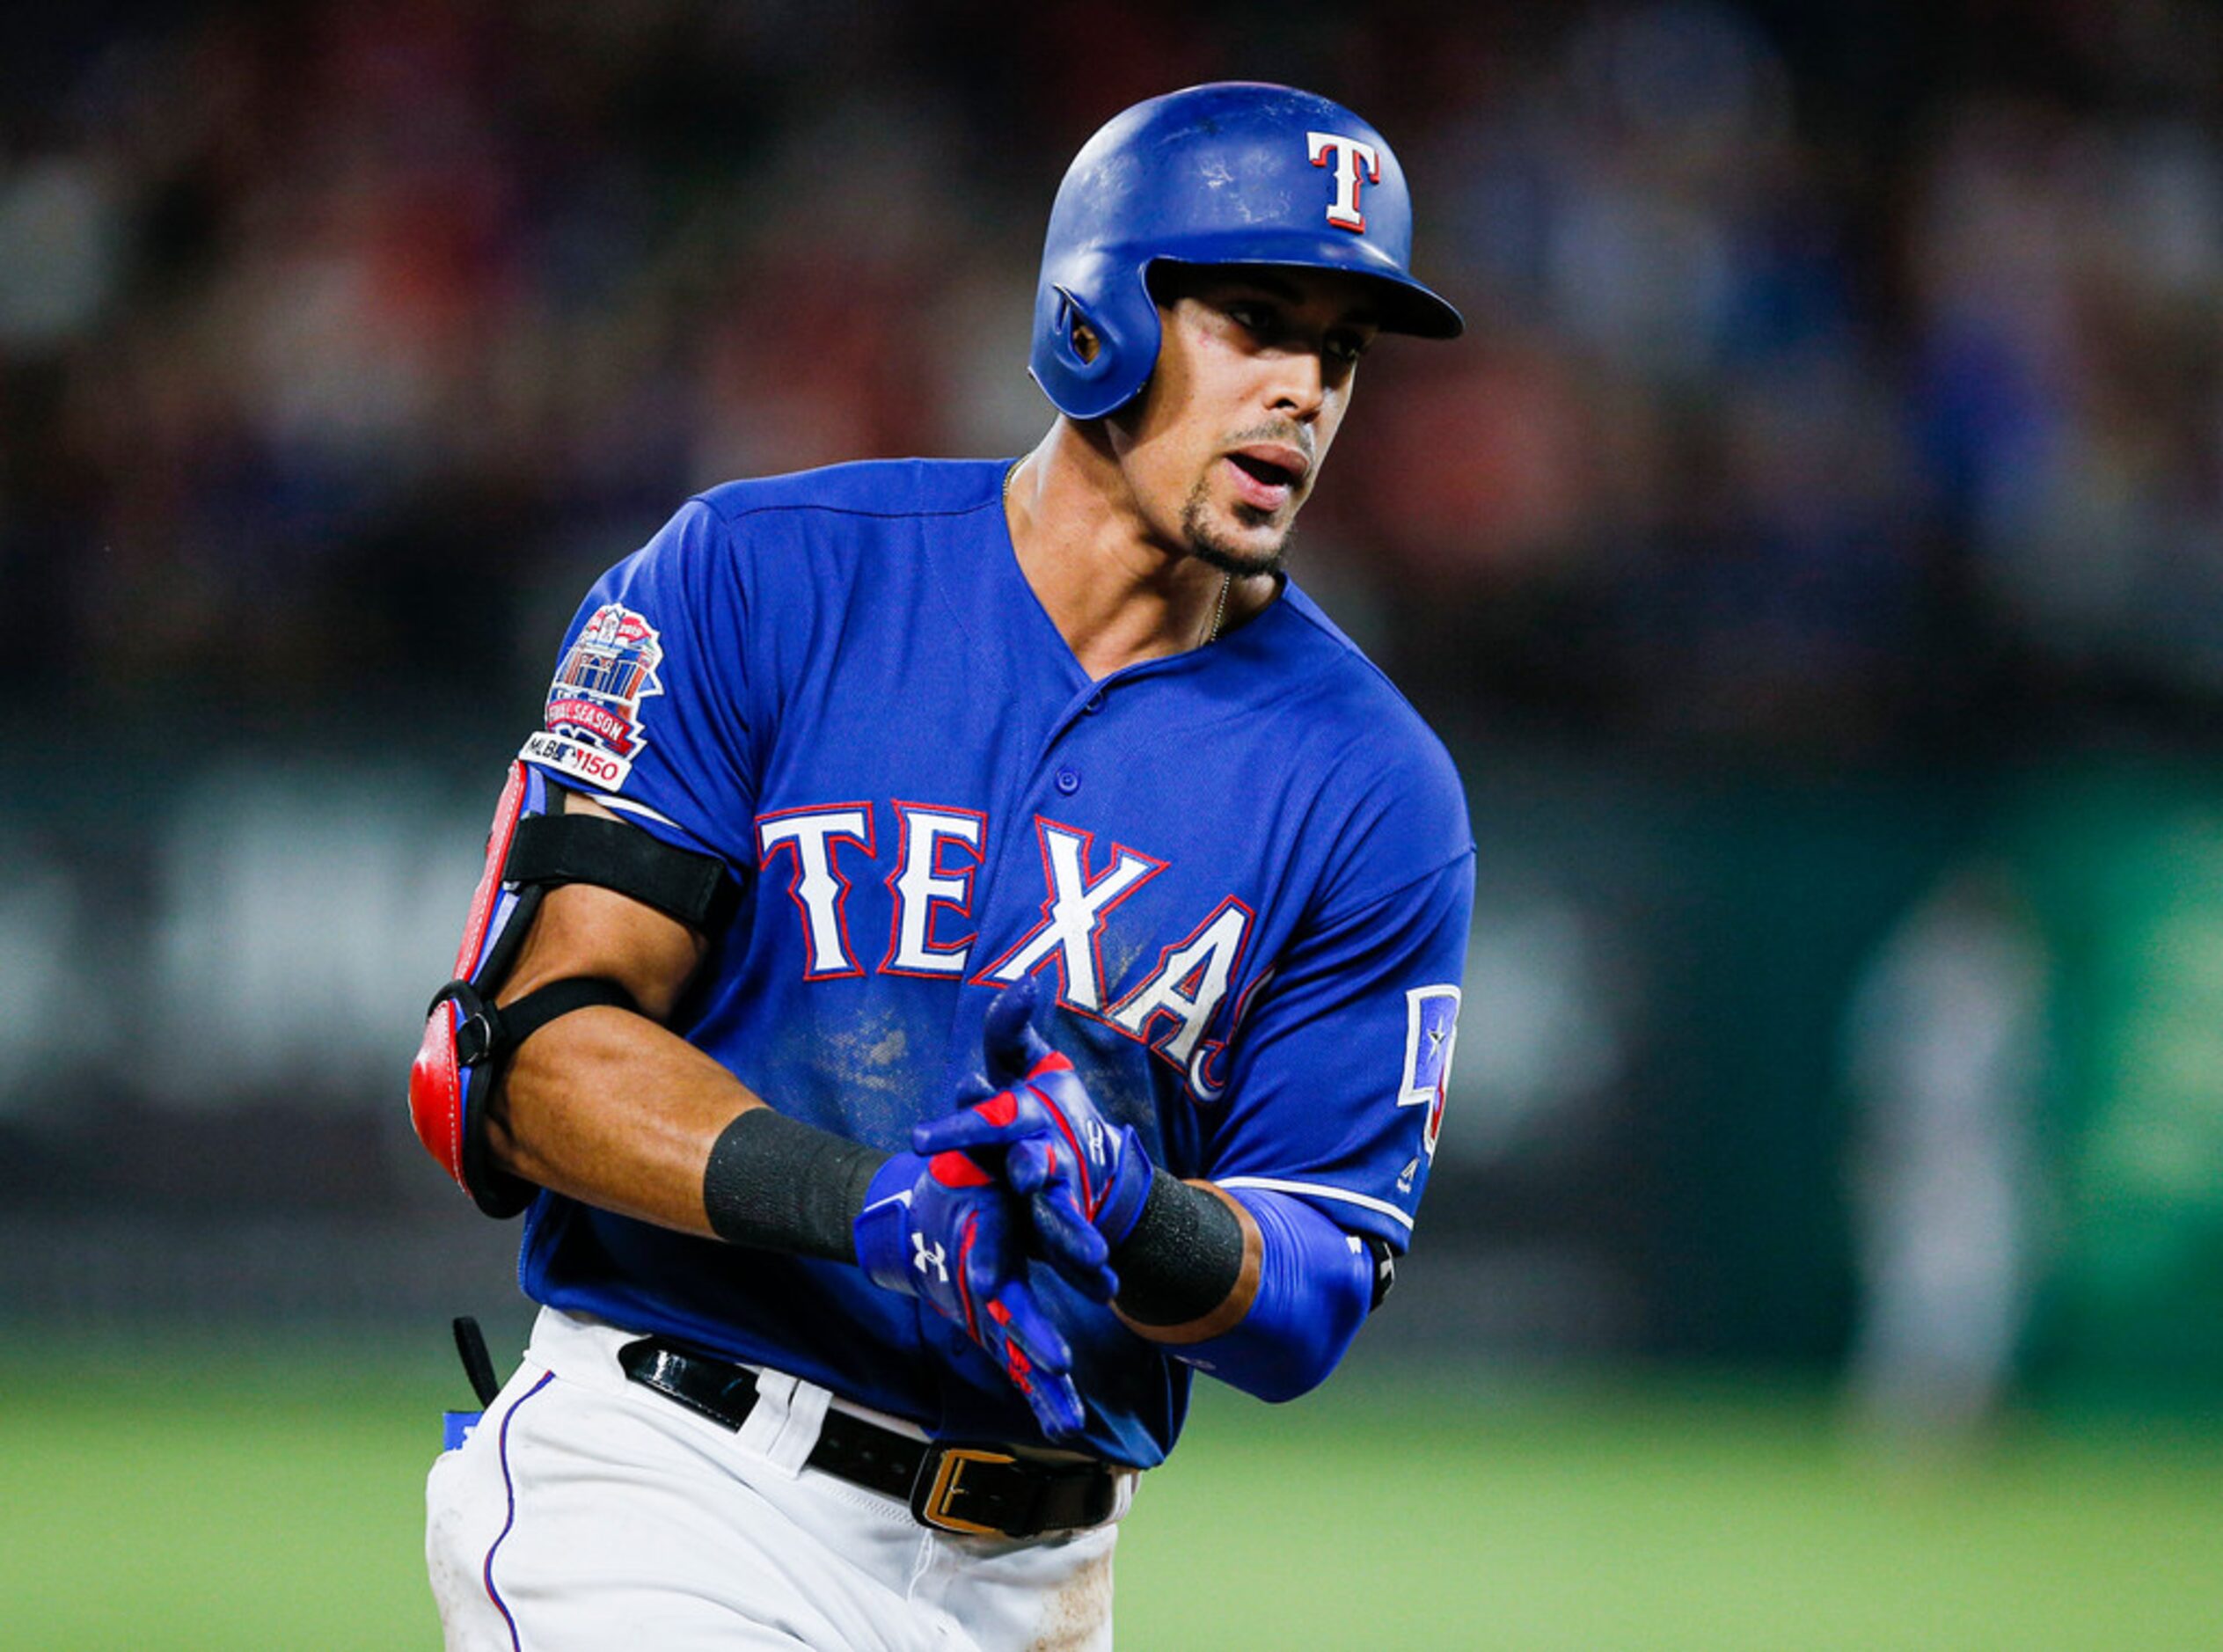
<point x="547" y="849"/>
<point x="490" y="1035"/>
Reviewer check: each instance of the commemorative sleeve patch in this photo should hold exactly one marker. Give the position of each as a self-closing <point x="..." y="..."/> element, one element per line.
<point x="1431" y="1034"/>
<point x="593" y="730"/>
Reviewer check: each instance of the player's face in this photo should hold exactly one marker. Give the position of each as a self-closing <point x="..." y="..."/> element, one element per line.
<point x="1252" y="381"/>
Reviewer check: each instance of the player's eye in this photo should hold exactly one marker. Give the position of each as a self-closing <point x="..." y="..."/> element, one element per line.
<point x="1346" y="347"/>
<point x="1251" y="317"/>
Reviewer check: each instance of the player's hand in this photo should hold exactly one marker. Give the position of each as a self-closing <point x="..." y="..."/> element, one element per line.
<point x="1085" y="1179"/>
<point x="944" y="1231"/>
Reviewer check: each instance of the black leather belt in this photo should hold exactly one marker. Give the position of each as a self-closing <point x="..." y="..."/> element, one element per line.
<point x="980" y="1491"/>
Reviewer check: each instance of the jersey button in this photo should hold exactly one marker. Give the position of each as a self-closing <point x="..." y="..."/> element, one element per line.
<point x="1095" y="703"/>
<point x="1069" y="781"/>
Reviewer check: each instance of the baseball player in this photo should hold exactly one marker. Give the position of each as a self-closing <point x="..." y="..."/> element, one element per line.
<point x="971" y="946"/>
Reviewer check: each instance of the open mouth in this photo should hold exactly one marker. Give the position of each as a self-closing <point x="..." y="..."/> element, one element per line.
<point x="1264" y="471"/>
<point x="1267" y="474"/>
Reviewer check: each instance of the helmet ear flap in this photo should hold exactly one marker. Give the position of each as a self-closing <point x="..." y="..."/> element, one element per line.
<point x="1096" y="338"/>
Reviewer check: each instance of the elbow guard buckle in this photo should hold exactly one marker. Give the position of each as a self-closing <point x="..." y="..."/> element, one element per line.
<point x="487" y="1036"/>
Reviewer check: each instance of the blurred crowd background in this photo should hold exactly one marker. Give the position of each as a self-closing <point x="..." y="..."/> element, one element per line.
<point x="1814" y="555"/>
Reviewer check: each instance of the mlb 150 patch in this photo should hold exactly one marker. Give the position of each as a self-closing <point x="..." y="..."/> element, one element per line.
<point x="593" y="726"/>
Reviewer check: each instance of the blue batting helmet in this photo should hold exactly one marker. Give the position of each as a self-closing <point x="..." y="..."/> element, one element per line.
<point x="1234" y="172"/>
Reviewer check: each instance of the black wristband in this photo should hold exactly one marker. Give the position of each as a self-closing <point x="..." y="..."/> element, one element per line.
<point x="1183" y="1257"/>
<point x="779" y="1184"/>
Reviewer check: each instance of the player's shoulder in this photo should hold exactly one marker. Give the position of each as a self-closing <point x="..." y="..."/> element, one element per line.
<point x="765" y="543"/>
<point x="761" y="561"/>
<point x="863" y="491"/>
<point x="1363" y="720"/>
<point x="1383" y="801"/>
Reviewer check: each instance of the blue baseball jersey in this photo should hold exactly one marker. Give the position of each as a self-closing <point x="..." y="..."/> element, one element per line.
<point x="1242" y="873"/>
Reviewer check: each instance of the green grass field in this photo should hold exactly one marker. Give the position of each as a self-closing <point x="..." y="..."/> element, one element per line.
<point x="214" y="1504"/>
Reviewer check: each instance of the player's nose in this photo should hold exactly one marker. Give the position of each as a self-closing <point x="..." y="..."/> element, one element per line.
<point x="1299" y="387"/>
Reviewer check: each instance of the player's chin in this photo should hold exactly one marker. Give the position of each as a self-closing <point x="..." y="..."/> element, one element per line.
<point x="1244" y="540"/>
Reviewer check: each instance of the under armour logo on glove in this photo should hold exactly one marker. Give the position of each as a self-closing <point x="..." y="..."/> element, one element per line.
<point x="944" y="1230"/>
<point x="926" y="1257"/>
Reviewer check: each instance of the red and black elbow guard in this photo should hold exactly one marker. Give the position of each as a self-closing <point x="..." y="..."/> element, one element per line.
<point x="531" y="848"/>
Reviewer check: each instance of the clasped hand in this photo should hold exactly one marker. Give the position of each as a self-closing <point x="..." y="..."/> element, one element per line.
<point x="1083" y="1181"/>
<point x="1031" y="1166"/>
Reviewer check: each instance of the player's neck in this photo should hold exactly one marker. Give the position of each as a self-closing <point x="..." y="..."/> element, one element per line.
<point x="1116" y="592"/>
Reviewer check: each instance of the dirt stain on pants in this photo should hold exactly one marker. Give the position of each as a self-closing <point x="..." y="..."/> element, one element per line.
<point x="1078" y="1616"/>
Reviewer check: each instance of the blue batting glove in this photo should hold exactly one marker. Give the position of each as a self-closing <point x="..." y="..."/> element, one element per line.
<point x="942" y="1230"/>
<point x="1085" y="1179"/>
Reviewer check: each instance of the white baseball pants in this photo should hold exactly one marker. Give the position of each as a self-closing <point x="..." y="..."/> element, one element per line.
<point x="587" y="1514"/>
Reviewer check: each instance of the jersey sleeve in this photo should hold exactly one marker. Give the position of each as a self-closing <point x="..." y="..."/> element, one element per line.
<point x="1340" y="1069"/>
<point x="649" y="711"/>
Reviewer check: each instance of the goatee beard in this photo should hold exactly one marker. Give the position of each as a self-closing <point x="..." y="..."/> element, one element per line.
<point x="1209" y="548"/>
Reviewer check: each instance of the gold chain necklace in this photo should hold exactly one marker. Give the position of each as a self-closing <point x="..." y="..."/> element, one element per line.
<point x="1219" y="608"/>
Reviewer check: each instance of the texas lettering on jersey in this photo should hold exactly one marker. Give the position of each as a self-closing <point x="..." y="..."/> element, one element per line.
<point x="1169" y="1009"/>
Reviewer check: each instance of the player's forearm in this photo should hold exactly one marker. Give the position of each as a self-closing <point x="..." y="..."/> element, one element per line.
<point x="615" y="1111"/>
<point x="603" y="1104"/>
<point x="611" y="1109"/>
<point x="1306" y="1286"/>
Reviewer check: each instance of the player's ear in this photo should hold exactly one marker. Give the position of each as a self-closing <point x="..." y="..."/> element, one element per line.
<point x="1085" y="343"/>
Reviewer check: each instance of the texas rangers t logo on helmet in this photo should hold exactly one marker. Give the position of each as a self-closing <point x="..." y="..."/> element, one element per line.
<point x="1350" y="156"/>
